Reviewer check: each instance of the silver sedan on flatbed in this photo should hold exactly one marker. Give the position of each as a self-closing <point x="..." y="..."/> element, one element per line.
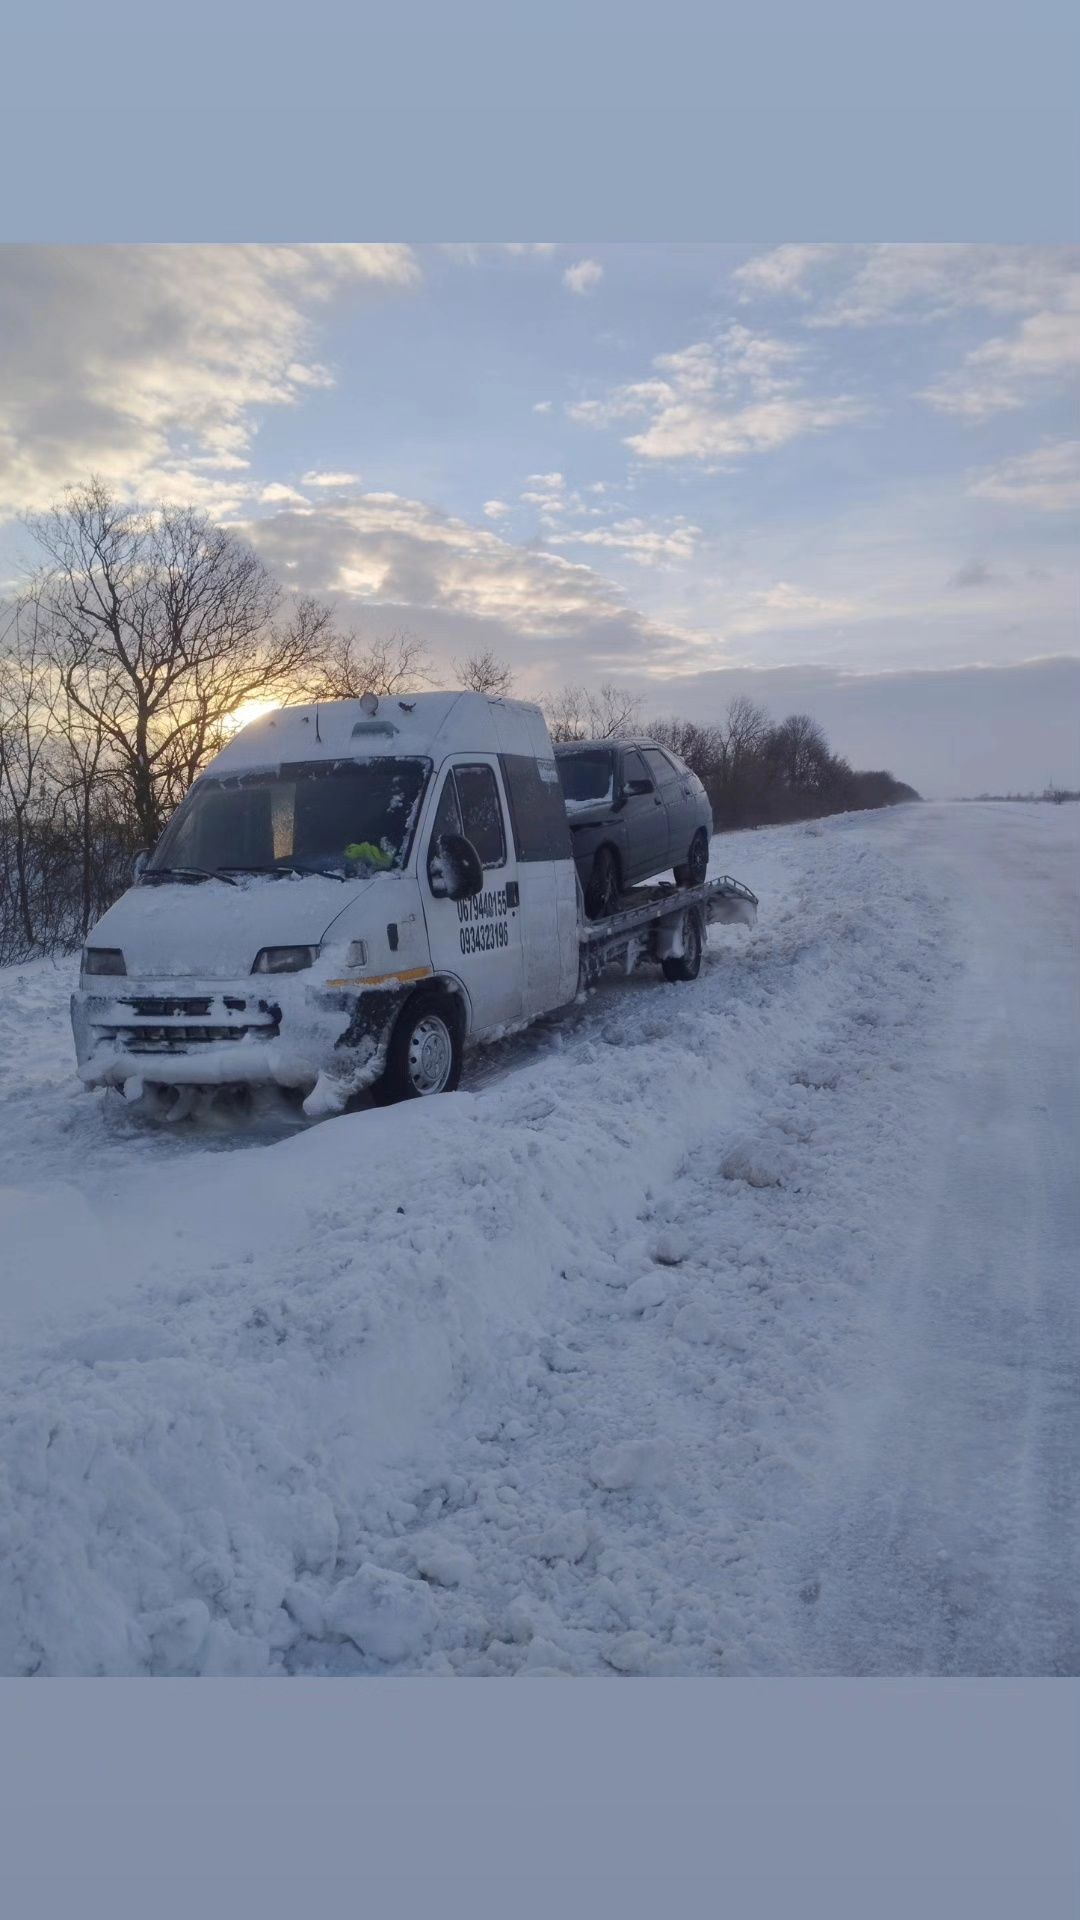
<point x="635" y="810"/>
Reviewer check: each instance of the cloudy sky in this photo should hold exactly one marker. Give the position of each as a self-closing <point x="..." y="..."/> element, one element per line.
<point x="839" y="477"/>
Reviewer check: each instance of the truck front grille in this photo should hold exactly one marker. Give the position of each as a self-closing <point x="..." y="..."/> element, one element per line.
<point x="186" y="1039"/>
<point x="158" y="1009"/>
<point x="171" y="1023"/>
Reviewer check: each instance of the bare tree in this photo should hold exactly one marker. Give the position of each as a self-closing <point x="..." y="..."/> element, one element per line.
<point x="744" y="729"/>
<point x="162" y="625"/>
<point x="398" y="662"/>
<point x="483" y="673"/>
<point x="607" y="712"/>
<point x="703" y="748"/>
<point x="800" y="750"/>
<point x="27" y="686"/>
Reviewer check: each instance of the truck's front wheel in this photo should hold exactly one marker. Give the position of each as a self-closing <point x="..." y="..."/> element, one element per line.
<point x="425" y="1052"/>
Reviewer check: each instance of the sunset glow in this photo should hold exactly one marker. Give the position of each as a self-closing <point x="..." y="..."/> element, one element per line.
<point x="249" y="711"/>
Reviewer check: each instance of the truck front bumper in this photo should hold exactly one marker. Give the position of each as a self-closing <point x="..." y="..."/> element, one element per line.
<point x="325" y="1042"/>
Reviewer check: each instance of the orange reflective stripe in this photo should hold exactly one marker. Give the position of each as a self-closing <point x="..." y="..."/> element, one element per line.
<point x="380" y="979"/>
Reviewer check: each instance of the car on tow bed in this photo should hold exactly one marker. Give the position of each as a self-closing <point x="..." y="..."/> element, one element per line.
<point x="635" y="810"/>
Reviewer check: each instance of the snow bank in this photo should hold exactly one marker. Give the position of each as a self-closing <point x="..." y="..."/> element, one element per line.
<point x="557" y="1374"/>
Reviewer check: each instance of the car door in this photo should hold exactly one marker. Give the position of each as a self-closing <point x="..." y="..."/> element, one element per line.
<point x="477" y="940"/>
<point x="645" y="820"/>
<point x="675" y="794"/>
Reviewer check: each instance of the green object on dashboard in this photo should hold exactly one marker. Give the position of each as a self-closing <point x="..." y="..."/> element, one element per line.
<point x="366" y="850"/>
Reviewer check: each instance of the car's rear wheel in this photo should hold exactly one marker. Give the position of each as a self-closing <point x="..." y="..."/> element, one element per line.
<point x="602" y="892"/>
<point x="425" y="1052"/>
<point x="687" y="964"/>
<point x="697" y="861"/>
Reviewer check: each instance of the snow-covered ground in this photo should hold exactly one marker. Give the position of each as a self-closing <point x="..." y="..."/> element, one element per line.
<point x="727" y="1328"/>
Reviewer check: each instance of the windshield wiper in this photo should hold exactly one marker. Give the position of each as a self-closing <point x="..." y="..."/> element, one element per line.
<point x="254" y="866"/>
<point x="186" y="873"/>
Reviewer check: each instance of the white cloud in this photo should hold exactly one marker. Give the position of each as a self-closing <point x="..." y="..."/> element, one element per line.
<point x="276" y="495"/>
<point x="784" y="270"/>
<point x="1048" y="479"/>
<point x="649" y="543"/>
<point x="497" y="509"/>
<point x="469" y="253"/>
<point x="715" y="400"/>
<point x="783" y="603"/>
<point x="382" y="547"/>
<point x="541" y="406"/>
<point x="330" y="480"/>
<point x="1005" y="372"/>
<point x="859" y="286"/>
<point x="583" y="276"/>
<point x="547" y="492"/>
<point x="150" y="365"/>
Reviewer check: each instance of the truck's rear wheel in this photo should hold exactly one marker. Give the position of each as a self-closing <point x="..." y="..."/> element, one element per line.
<point x="697" y="862"/>
<point x="425" y="1052"/>
<point x="602" y="892"/>
<point x="687" y="964"/>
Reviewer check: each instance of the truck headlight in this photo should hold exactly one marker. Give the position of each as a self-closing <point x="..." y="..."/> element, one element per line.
<point x="284" y="959"/>
<point x="103" y="960"/>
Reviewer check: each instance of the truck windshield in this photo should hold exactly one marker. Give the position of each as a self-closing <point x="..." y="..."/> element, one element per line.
<point x="341" y="816"/>
<point x="586" y="777"/>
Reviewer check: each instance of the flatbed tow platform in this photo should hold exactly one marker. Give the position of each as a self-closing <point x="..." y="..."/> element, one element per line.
<point x="665" y="923"/>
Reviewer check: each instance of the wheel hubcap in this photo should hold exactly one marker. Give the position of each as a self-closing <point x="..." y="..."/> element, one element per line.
<point x="431" y="1055"/>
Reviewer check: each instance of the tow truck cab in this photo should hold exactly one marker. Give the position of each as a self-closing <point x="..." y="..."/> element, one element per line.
<point x="347" y="894"/>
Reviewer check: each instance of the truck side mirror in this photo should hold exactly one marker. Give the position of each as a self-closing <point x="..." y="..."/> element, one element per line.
<point x="139" y="864"/>
<point x="455" y="871"/>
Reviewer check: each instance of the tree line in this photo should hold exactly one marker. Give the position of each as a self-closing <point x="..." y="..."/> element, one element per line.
<point x="1052" y="796"/>
<point x="141" y="635"/>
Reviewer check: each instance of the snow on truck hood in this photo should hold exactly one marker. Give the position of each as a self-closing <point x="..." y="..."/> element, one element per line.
<point x="210" y="930"/>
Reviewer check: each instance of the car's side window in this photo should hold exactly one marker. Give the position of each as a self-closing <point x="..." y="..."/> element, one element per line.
<point x="481" y="813"/>
<point x="659" y="766"/>
<point x="634" y="768"/>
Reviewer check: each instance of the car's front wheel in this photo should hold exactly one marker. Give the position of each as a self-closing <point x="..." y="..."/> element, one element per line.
<point x="425" y="1052"/>
<point x="693" y="872"/>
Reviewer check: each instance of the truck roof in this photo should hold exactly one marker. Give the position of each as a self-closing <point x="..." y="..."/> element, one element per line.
<point x="428" y="724"/>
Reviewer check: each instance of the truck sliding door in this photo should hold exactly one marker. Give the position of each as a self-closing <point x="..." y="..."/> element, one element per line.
<point x="549" y="913"/>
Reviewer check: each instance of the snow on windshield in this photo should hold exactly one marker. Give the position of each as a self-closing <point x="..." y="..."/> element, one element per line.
<point x="587" y="778"/>
<point x="320" y="815"/>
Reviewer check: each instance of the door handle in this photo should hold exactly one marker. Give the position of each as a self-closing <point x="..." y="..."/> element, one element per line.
<point x="513" y="895"/>
<point x="657" y="802"/>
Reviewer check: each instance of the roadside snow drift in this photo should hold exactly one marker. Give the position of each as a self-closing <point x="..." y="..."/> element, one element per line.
<point x="724" y="1328"/>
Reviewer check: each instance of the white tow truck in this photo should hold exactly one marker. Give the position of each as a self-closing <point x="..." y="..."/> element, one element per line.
<point x="349" y="895"/>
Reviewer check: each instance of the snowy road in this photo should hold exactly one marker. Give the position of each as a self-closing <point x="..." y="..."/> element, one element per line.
<point x="717" y="1329"/>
